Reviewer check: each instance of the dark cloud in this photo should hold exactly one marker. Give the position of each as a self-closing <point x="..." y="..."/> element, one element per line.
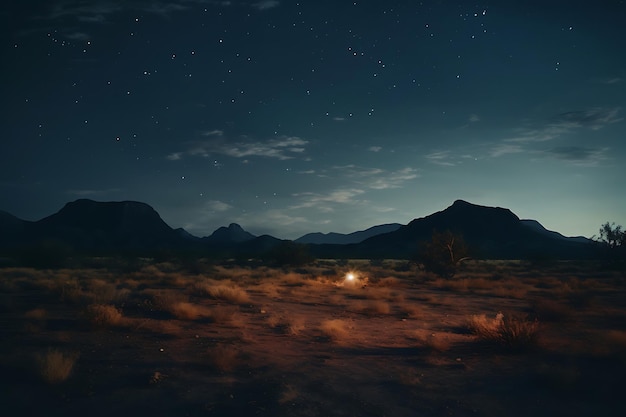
<point x="594" y="118"/>
<point x="577" y="154"/>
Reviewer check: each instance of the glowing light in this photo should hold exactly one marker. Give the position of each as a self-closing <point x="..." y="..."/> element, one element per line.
<point x="350" y="276"/>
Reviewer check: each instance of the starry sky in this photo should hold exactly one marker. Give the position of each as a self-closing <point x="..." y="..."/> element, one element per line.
<point x="290" y="117"/>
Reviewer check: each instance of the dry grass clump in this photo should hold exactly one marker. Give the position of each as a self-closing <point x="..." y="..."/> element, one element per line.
<point x="295" y="325"/>
<point x="270" y="289"/>
<point x="431" y="341"/>
<point x="103" y="292"/>
<point x="223" y="357"/>
<point x="510" y="331"/>
<point x="188" y="311"/>
<point x="164" y="300"/>
<point x="56" y="366"/>
<point x="105" y="315"/>
<point x="335" y="329"/>
<point x="292" y="325"/>
<point x="222" y="291"/>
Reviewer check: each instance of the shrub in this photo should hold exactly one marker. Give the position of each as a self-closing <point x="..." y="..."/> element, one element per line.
<point x="443" y="254"/>
<point x="510" y="331"/>
<point x="335" y="329"/>
<point x="224" y="292"/>
<point x="188" y="311"/>
<point x="104" y="315"/>
<point x="55" y="366"/>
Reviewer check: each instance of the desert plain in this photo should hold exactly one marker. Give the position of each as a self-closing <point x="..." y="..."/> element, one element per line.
<point x="332" y="338"/>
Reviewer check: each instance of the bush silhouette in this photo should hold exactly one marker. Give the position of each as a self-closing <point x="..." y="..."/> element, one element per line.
<point x="443" y="254"/>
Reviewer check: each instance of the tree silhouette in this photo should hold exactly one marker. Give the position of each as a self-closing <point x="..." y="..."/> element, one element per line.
<point x="443" y="253"/>
<point x="613" y="239"/>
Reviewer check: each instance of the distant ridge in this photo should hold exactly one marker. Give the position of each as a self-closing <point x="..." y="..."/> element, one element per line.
<point x="345" y="239"/>
<point x="93" y="227"/>
<point x="490" y="232"/>
<point x="231" y="234"/>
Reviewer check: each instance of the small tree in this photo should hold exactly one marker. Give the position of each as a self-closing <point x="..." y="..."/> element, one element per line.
<point x="443" y="253"/>
<point x="611" y="235"/>
<point x="613" y="239"/>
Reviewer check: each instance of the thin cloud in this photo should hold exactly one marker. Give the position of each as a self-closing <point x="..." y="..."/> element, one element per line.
<point x="322" y="201"/>
<point x="217" y="206"/>
<point x="176" y="156"/>
<point x="505" y="149"/>
<point x="393" y="179"/>
<point x="474" y="118"/>
<point x="595" y="119"/>
<point x="376" y="178"/>
<point x="578" y="155"/>
<point x="266" y="4"/>
<point x="92" y="192"/>
<point x="375" y="148"/>
<point x="283" y="148"/>
<point x="215" y="132"/>
<point x="100" y="11"/>
<point x="441" y="158"/>
<point x="564" y="123"/>
<point x="77" y="36"/>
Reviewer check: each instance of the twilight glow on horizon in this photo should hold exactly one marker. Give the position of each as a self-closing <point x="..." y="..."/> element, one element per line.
<point x="290" y="117"/>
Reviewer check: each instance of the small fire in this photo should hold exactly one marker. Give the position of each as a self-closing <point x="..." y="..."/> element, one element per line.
<point x="350" y="276"/>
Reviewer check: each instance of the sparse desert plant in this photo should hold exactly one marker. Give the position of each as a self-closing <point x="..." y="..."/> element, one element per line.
<point x="443" y="254"/>
<point x="288" y="394"/>
<point x="163" y="300"/>
<point x="56" y="366"/>
<point x="223" y="291"/>
<point x="511" y="331"/>
<point x="335" y="329"/>
<point x="295" y="325"/>
<point x="483" y="326"/>
<point x="105" y="315"/>
<point x="431" y="341"/>
<point x="518" y="332"/>
<point x="188" y="311"/>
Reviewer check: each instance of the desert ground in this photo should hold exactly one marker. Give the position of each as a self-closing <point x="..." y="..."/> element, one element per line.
<point x="333" y="338"/>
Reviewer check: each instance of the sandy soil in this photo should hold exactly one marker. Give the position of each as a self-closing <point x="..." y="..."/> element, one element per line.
<point x="239" y="340"/>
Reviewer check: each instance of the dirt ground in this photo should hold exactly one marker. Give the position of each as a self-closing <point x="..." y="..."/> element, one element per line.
<point x="501" y="338"/>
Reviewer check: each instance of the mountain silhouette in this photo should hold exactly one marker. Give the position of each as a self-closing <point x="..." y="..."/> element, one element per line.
<point x="231" y="234"/>
<point x="490" y="233"/>
<point x="112" y="227"/>
<point x="345" y="239"/>
<point x="109" y="225"/>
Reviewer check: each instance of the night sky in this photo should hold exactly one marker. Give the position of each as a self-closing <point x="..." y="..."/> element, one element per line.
<point x="290" y="117"/>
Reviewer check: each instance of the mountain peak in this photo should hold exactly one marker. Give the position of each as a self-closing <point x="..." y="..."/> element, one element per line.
<point x="461" y="203"/>
<point x="234" y="233"/>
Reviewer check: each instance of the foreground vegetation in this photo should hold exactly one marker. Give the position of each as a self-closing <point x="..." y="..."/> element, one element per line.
<point x="162" y="338"/>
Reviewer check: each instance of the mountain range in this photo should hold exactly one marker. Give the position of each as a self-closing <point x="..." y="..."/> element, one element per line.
<point x="94" y="227"/>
